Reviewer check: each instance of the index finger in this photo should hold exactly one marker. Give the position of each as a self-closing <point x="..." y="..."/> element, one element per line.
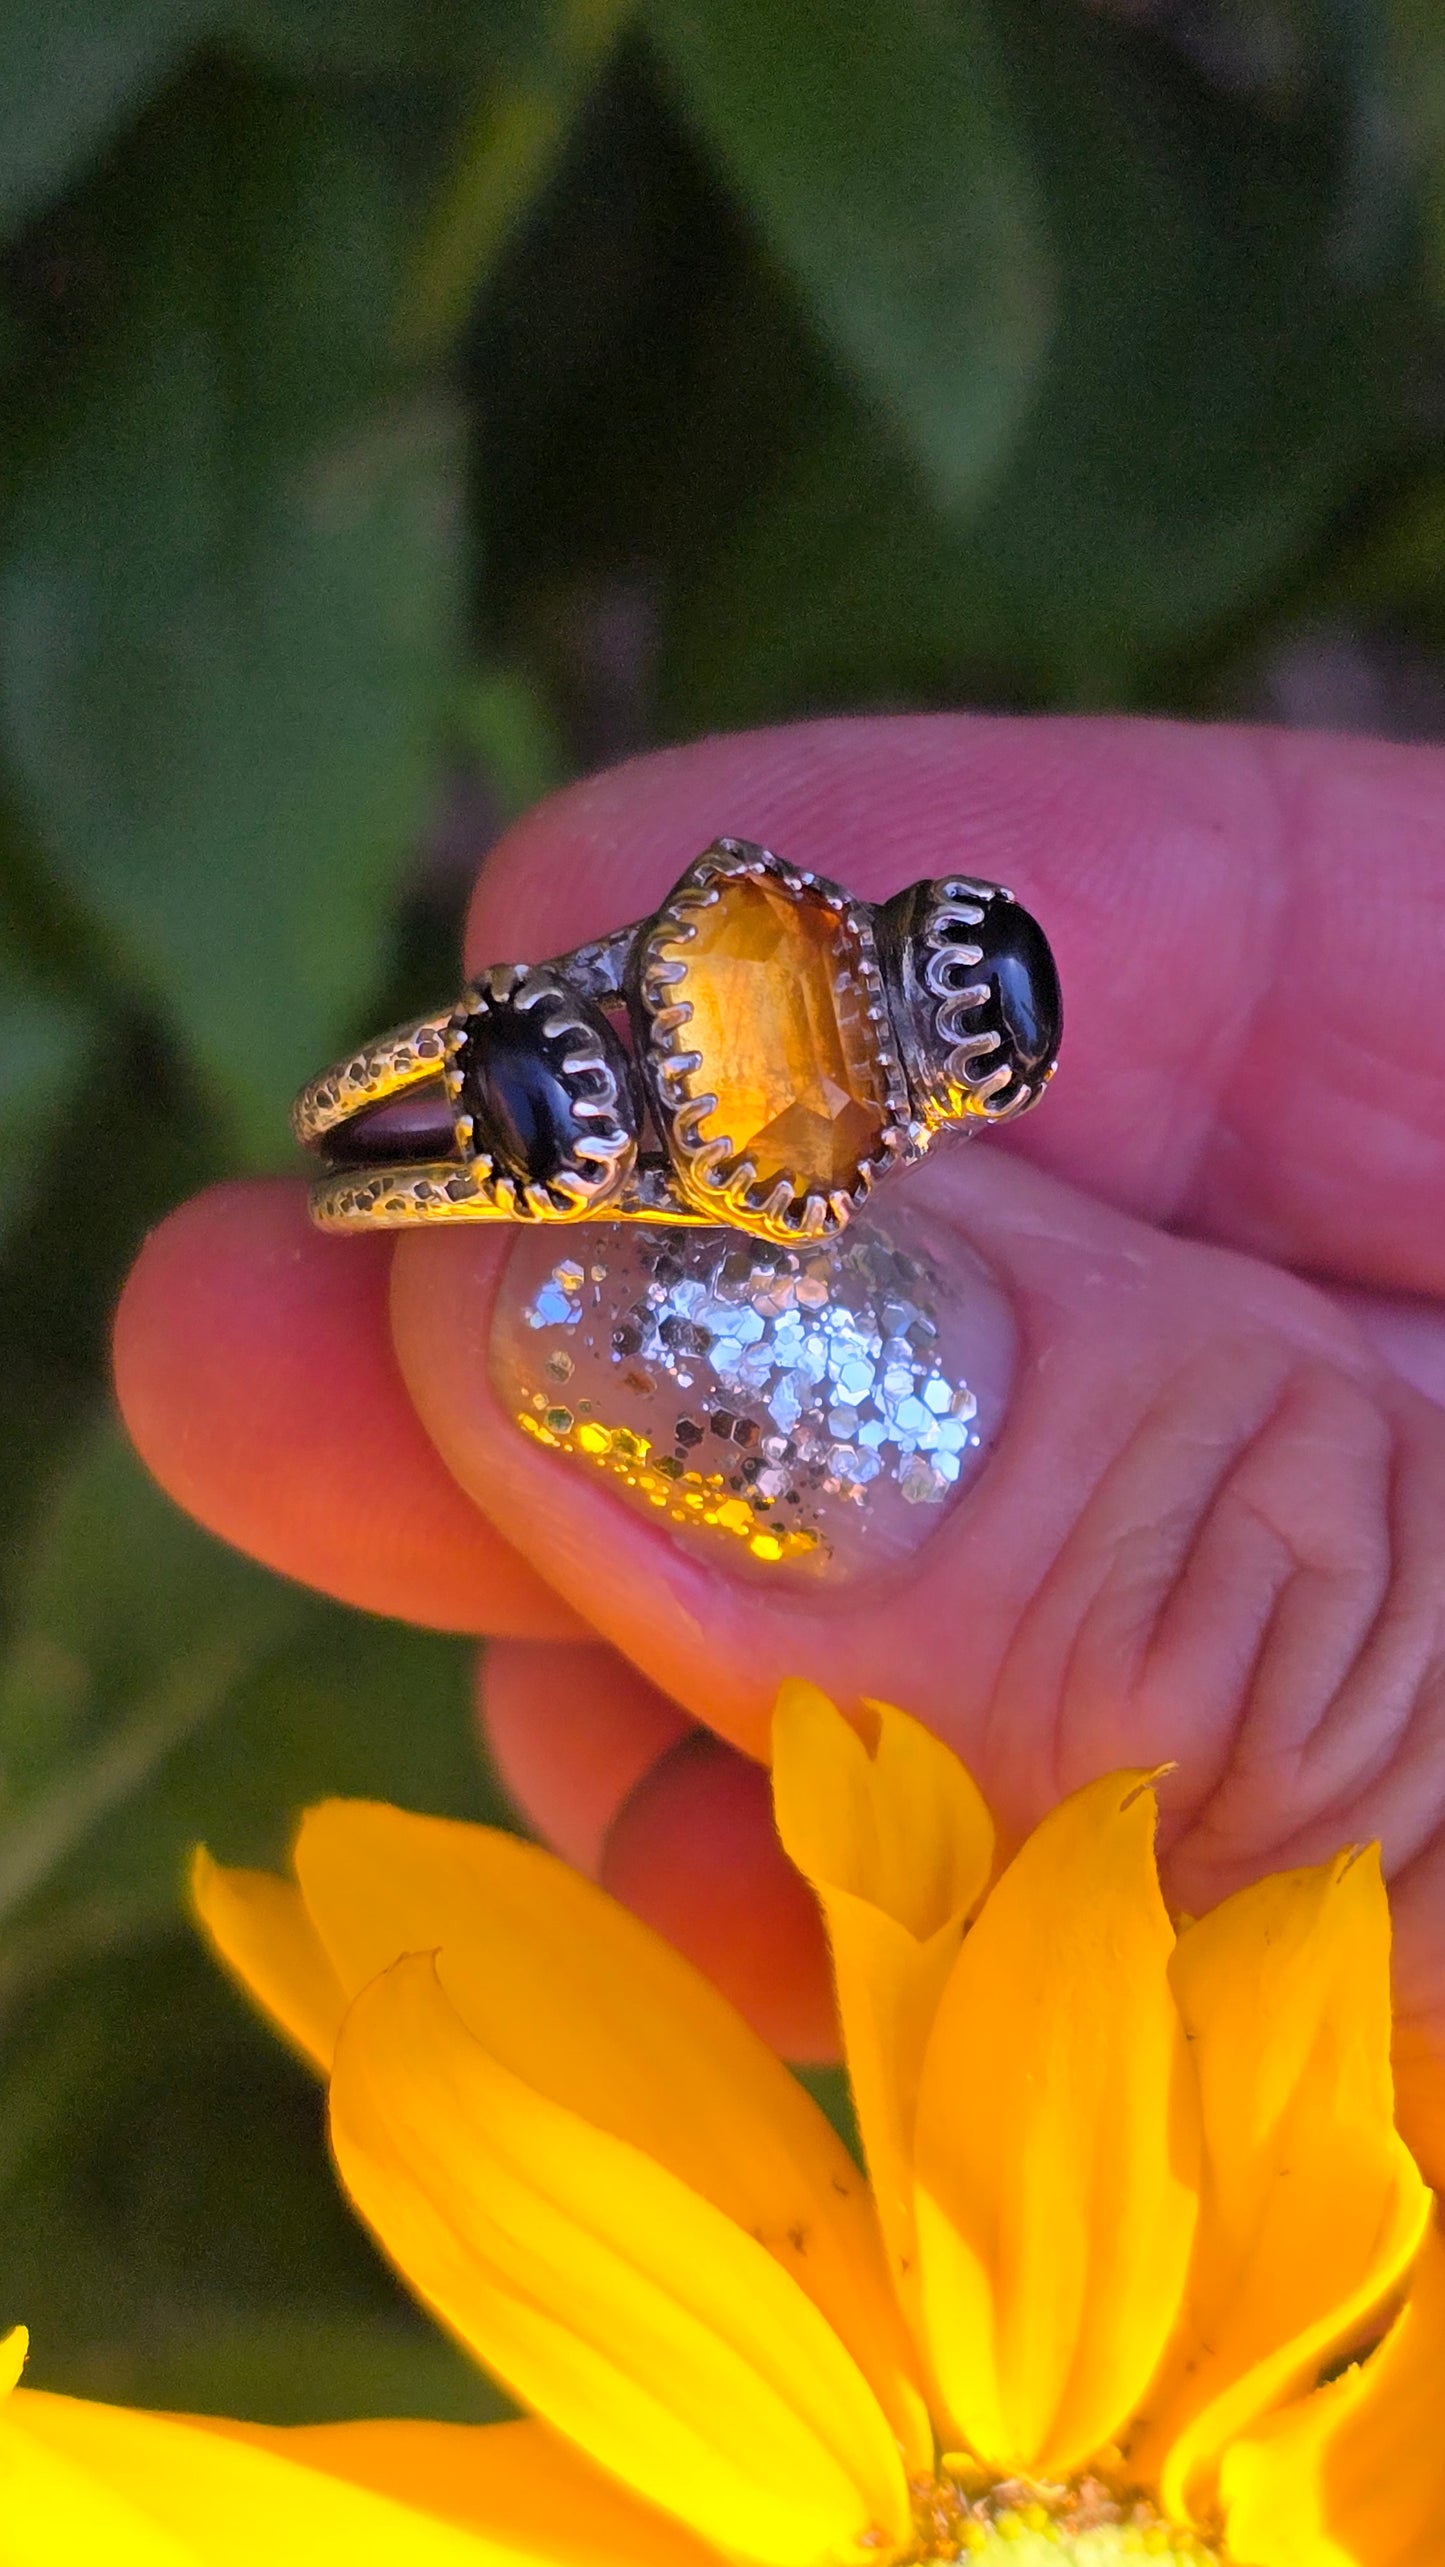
<point x="1250" y="928"/>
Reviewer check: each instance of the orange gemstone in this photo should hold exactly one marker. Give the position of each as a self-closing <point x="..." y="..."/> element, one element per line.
<point x="778" y="1020"/>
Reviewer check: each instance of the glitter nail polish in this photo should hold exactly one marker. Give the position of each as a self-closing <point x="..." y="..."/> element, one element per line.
<point x="806" y="1411"/>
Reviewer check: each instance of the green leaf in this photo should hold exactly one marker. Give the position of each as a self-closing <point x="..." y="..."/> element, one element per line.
<point x="1417" y="32"/>
<point x="169" y="2225"/>
<point x="433" y="42"/>
<point x="1225" y="375"/>
<point x="228" y="594"/>
<point x="833" y="2095"/>
<point x="170" y="2228"/>
<point x="876" y="144"/>
<point x="45" y="1036"/>
<point x="71" y="71"/>
<point x="126" y="1139"/>
<point x="502" y="717"/>
<point x="508" y="150"/>
<point x="287" y="2361"/>
<point x="158" y="1689"/>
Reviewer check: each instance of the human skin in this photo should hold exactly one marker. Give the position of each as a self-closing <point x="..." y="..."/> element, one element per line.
<point x="1212" y="1529"/>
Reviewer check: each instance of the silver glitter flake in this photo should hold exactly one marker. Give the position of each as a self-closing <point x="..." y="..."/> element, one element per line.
<point x="761" y="1390"/>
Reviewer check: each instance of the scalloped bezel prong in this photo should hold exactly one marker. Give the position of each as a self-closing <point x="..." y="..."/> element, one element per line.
<point x="721" y="1181"/>
<point x="939" y="943"/>
<point x="585" y="1057"/>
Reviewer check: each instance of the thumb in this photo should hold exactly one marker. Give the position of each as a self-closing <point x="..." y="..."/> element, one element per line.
<point x="1191" y="1514"/>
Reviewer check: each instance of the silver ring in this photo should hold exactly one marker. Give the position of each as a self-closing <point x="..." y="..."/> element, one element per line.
<point x="755" y="1054"/>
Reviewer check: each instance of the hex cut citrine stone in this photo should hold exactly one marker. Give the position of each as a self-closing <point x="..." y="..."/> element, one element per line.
<point x="779" y="1022"/>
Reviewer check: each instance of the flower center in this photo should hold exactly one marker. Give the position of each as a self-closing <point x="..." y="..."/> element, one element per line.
<point x="964" y="2513"/>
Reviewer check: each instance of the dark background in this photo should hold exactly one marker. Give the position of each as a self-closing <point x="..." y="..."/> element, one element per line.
<point x="405" y="405"/>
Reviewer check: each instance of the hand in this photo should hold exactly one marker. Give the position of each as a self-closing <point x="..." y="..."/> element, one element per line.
<point x="1207" y="1336"/>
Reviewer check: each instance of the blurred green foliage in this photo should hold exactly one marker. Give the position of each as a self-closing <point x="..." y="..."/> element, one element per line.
<point x="406" y="402"/>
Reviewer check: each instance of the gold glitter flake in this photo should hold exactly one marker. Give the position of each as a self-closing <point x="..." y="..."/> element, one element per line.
<point x="685" y="1495"/>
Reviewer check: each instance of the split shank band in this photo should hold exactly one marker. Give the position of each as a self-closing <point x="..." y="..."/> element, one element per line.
<point x="755" y="1054"/>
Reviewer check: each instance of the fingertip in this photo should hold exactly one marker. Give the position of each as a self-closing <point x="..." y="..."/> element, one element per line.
<point x="570" y="1731"/>
<point x="694" y="1852"/>
<point x="1420" y="2096"/>
<point x="209" y="1280"/>
<point x="255" y="1374"/>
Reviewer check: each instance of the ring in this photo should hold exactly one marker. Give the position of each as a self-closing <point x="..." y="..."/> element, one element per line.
<point x="755" y="1054"/>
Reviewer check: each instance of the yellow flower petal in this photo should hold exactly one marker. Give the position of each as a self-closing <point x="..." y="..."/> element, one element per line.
<point x="517" y="2487"/>
<point x="1057" y="2143"/>
<point x="259" y="1928"/>
<point x="883" y="1811"/>
<point x="98" y="2486"/>
<point x="894" y="1837"/>
<point x="636" y="2318"/>
<point x="1354" y="2476"/>
<point x="13" y="2349"/>
<point x="591" y="2008"/>
<point x="1312" y="2210"/>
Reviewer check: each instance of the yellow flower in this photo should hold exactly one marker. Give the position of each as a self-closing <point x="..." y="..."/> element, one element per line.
<point x="1136" y="2193"/>
<point x="83" y="2485"/>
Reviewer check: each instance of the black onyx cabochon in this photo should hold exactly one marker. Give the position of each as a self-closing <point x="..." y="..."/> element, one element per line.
<point x="521" y="1106"/>
<point x="1027" y="1004"/>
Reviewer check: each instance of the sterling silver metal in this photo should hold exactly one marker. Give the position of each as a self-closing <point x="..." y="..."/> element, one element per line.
<point x="951" y="979"/>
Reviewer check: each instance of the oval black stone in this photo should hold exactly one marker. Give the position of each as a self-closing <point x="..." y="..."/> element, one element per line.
<point x="520" y="1104"/>
<point x="1027" y="1004"/>
<point x="418" y="1126"/>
